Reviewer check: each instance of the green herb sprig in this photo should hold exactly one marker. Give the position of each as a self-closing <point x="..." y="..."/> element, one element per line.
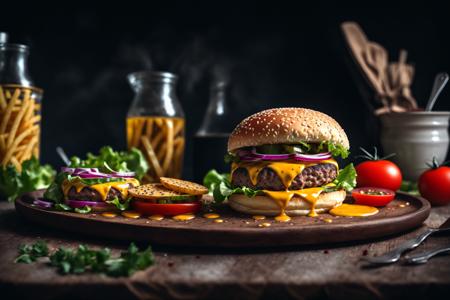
<point x="84" y="259"/>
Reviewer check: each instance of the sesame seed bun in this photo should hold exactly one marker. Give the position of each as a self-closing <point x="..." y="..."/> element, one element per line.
<point x="262" y="205"/>
<point x="286" y="126"/>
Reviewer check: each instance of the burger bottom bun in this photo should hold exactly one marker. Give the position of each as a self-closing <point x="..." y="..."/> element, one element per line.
<point x="263" y="205"/>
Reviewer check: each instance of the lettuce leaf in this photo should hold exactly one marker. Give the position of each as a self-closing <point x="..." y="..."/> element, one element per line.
<point x="122" y="161"/>
<point x="335" y="149"/>
<point x="346" y="179"/>
<point x="33" y="176"/>
<point x="120" y="205"/>
<point x="219" y="187"/>
<point x="54" y="192"/>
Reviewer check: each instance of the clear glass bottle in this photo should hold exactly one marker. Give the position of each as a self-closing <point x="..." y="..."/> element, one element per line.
<point x="156" y="124"/>
<point x="211" y="139"/>
<point x="20" y="107"/>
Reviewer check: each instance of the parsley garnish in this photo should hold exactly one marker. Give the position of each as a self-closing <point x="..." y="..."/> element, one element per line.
<point x="83" y="259"/>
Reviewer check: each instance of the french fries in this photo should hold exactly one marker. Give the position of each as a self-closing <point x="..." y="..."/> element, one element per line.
<point x="19" y="124"/>
<point x="161" y="139"/>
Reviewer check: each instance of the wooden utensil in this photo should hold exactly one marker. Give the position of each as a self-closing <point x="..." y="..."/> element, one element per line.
<point x="237" y="230"/>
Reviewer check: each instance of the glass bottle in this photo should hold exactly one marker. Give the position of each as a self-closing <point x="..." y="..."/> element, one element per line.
<point x="211" y="139"/>
<point x="20" y="107"/>
<point x="156" y="124"/>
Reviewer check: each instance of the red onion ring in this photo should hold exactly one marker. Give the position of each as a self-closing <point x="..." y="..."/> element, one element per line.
<point x="250" y="156"/>
<point x="312" y="157"/>
<point x="42" y="203"/>
<point x="123" y="174"/>
<point x="82" y="203"/>
<point x="270" y="156"/>
<point x="92" y="173"/>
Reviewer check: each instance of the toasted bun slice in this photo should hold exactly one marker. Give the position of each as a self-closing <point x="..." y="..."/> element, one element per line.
<point x="286" y="126"/>
<point x="263" y="205"/>
<point x="183" y="186"/>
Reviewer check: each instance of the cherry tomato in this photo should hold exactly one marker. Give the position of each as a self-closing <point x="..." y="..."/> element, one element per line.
<point x="150" y="208"/>
<point x="434" y="185"/>
<point x="379" y="173"/>
<point x="373" y="196"/>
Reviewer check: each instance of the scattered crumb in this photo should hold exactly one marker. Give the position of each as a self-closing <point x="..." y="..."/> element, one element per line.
<point x="326" y="251"/>
<point x="365" y="252"/>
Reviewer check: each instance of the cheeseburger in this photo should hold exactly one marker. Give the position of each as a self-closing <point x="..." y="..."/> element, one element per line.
<point x="286" y="158"/>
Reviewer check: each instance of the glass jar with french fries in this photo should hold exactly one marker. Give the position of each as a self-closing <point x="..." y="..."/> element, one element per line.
<point x="20" y="107"/>
<point x="156" y="124"/>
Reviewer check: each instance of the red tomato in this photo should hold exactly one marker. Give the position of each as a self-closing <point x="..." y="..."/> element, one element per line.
<point x="150" y="208"/>
<point x="434" y="185"/>
<point x="373" y="196"/>
<point x="379" y="173"/>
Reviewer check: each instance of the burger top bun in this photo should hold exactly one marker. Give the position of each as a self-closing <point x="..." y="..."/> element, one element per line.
<point x="287" y="126"/>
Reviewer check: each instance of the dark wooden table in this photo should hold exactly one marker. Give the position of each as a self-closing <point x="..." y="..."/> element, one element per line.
<point x="329" y="271"/>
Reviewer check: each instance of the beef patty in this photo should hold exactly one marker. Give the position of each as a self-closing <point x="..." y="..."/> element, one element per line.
<point x="88" y="194"/>
<point x="314" y="176"/>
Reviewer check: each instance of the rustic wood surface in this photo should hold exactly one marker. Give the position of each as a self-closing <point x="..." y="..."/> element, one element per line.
<point x="237" y="230"/>
<point x="307" y="272"/>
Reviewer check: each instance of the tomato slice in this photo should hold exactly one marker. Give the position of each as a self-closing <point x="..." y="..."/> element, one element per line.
<point x="150" y="208"/>
<point x="373" y="196"/>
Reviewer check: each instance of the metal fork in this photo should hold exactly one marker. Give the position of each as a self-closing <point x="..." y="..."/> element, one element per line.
<point x="423" y="257"/>
<point x="394" y="255"/>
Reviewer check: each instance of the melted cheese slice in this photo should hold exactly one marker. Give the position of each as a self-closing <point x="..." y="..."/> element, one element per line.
<point x="102" y="188"/>
<point x="286" y="171"/>
<point x="282" y="199"/>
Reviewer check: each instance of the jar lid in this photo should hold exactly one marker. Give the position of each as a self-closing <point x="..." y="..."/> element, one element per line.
<point x="152" y="76"/>
<point x="18" y="47"/>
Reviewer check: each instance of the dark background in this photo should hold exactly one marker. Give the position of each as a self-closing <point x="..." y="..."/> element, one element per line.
<point x="280" y="56"/>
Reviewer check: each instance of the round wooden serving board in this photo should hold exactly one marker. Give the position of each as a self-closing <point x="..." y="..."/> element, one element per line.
<point x="237" y="230"/>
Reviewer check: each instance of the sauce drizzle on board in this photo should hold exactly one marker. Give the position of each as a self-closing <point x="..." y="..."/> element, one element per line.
<point x="183" y="217"/>
<point x="156" y="217"/>
<point x="109" y="214"/>
<point x="211" y="216"/>
<point x="353" y="210"/>
<point x="131" y="214"/>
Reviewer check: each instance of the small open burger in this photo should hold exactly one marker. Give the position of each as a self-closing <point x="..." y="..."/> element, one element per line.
<point x="283" y="164"/>
<point x="88" y="189"/>
<point x="170" y="197"/>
